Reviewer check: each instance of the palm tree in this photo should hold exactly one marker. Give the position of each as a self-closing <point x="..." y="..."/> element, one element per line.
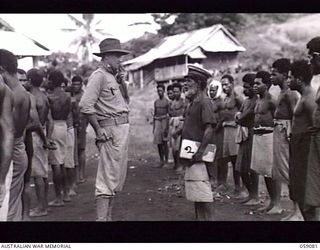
<point x="86" y="35"/>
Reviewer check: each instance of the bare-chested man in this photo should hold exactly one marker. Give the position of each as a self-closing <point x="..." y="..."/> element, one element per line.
<point x="300" y="78"/>
<point x="282" y="121"/>
<point x="60" y="106"/>
<point x="262" y="146"/>
<point x="231" y="105"/>
<point x="161" y="125"/>
<point x="245" y="118"/>
<point x="176" y="111"/>
<point x="312" y="198"/>
<point x="33" y="125"/>
<point x="6" y="146"/>
<point x="81" y="123"/>
<point x="40" y="165"/>
<point x="170" y="96"/>
<point x="33" y="119"/>
<point x="214" y="92"/>
<point x="170" y="92"/>
<point x="72" y="159"/>
<point x="8" y="64"/>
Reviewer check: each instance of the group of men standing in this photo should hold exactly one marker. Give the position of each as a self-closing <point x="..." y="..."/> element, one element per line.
<point x="276" y="138"/>
<point x="168" y="121"/>
<point x="41" y="125"/>
<point x="44" y="124"/>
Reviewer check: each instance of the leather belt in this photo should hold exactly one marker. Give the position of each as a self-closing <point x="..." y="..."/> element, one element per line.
<point x="262" y="130"/>
<point x="114" y="121"/>
<point x="161" y="117"/>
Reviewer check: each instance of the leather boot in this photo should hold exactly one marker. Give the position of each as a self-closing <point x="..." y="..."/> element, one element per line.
<point x="102" y="207"/>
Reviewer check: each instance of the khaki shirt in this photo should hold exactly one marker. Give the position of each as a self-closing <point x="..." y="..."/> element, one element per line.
<point x="103" y="96"/>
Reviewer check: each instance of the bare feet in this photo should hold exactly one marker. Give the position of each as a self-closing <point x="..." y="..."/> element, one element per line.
<point x="296" y="217"/>
<point x="159" y="166"/>
<point x="83" y="180"/>
<point x="72" y="192"/>
<point x="252" y="202"/>
<point x="56" y="203"/>
<point x="293" y="216"/>
<point x="275" y="210"/>
<point x="167" y="166"/>
<point x="265" y="208"/>
<point x="239" y="194"/>
<point x="245" y="200"/>
<point x="38" y="213"/>
<point x="287" y="217"/>
<point x="66" y="198"/>
<point x="222" y="189"/>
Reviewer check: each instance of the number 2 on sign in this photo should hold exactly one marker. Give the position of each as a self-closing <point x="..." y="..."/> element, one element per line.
<point x="188" y="149"/>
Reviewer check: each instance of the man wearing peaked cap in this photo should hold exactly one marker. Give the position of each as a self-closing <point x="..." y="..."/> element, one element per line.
<point x="105" y="104"/>
<point x="197" y="72"/>
<point x="198" y="126"/>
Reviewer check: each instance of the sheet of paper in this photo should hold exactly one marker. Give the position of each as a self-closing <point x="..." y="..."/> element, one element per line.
<point x="189" y="148"/>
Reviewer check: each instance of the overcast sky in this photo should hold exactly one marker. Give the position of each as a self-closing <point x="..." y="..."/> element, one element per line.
<point x="46" y="28"/>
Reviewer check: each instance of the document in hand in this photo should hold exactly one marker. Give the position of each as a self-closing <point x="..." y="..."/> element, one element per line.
<point x="189" y="148"/>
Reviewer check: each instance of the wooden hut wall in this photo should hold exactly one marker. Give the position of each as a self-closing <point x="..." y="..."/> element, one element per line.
<point x="148" y="74"/>
<point x="170" y="68"/>
<point x="134" y="77"/>
<point x="220" y="60"/>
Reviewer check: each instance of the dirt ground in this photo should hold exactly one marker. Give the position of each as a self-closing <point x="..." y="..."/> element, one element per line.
<point x="150" y="194"/>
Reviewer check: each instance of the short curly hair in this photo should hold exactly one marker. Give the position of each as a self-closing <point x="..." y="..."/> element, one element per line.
<point x="35" y="76"/>
<point x="159" y="85"/>
<point x="249" y="78"/>
<point x="56" y="77"/>
<point x="302" y="69"/>
<point x="314" y="44"/>
<point x="229" y="77"/>
<point x="176" y="85"/>
<point x="8" y="61"/>
<point x="265" y="76"/>
<point x="76" y="78"/>
<point x="169" y="87"/>
<point x="282" y="65"/>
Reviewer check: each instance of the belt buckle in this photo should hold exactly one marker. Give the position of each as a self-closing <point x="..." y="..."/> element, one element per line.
<point x="119" y="120"/>
<point x="116" y="121"/>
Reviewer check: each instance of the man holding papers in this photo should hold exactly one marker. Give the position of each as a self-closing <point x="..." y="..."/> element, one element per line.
<point x="198" y="126"/>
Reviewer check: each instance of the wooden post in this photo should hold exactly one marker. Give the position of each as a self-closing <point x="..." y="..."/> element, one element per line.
<point x="35" y="61"/>
<point x="141" y="78"/>
<point x="186" y="62"/>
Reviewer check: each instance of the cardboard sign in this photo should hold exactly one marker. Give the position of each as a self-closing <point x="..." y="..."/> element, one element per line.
<point x="189" y="148"/>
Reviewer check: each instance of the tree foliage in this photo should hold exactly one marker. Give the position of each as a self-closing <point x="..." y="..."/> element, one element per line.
<point x="184" y="22"/>
<point x="142" y="44"/>
<point x="234" y="22"/>
<point x="86" y="34"/>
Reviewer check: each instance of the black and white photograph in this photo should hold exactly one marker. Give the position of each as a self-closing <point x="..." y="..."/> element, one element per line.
<point x="160" y="117"/>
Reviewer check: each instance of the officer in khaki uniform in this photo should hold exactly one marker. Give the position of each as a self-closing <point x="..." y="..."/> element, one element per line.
<point x="105" y="103"/>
